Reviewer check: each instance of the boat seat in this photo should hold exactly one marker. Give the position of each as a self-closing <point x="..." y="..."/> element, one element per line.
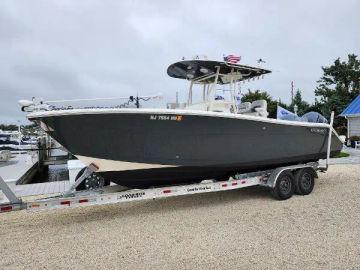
<point x="220" y="105"/>
<point x="244" y="107"/>
<point x="258" y="108"/>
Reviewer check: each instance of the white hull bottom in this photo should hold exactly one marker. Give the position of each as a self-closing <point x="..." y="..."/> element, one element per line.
<point x="108" y="165"/>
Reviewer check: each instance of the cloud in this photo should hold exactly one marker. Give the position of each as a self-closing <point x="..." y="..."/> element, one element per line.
<point x="86" y="49"/>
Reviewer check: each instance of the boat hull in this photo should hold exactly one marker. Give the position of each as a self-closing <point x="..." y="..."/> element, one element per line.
<point x="157" y="148"/>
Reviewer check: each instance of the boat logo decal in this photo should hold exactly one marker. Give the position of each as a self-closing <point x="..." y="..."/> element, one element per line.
<point x="166" y="117"/>
<point x="318" y="130"/>
<point x="198" y="189"/>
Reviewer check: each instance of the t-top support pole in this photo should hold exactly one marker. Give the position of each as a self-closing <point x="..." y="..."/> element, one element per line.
<point x="329" y="139"/>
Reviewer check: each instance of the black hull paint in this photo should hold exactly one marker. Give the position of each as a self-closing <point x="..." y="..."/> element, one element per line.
<point x="200" y="147"/>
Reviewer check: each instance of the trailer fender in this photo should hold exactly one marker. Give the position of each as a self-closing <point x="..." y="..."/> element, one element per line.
<point x="271" y="182"/>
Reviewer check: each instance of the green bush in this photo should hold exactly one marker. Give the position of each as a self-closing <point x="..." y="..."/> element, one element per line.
<point x="341" y="130"/>
<point x="342" y="154"/>
<point x="354" y="138"/>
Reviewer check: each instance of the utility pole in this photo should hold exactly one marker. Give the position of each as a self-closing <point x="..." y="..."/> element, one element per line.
<point x="19" y="132"/>
<point x="292" y="91"/>
<point x="295" y="109"/>
<point x="137" y="103"/>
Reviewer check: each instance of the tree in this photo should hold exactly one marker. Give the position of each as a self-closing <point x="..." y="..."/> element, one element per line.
<point x="302" y="106"/>
<point x="258" y="94"/>
<point x="9" y="127"/>
<point x="338" y="86"/>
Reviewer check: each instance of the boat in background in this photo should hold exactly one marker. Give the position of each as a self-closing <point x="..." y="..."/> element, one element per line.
<point x="211" y="139"/>
<point x="5" y="155"/>
<point x="14" y="141"/>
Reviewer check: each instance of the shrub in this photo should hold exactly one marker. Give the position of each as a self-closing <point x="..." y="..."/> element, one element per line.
<point x="342" y="154"/>
<point x="352" y="140"/>
<point x="341" y="130"/>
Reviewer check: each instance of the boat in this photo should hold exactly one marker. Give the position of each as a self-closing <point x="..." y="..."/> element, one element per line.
<point x="5" y="155"/>
<point x="211" y="139"/>
<point x="14" y="141"/>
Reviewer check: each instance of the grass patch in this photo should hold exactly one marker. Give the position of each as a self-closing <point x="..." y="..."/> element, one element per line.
<point x="342" y="154"/>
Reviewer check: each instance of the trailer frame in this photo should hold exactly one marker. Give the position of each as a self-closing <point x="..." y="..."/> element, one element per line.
<point x="109" y="195"/>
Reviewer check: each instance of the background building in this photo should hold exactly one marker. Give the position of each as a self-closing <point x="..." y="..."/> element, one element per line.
<point x="352" y="114"/>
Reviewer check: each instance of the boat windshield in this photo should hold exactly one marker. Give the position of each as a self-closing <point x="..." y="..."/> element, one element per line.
<point x="311" y="117"/>
<point x="314" y="117"/>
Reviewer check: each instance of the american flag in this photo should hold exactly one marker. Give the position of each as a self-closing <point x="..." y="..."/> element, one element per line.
<point x="232" y="59"/>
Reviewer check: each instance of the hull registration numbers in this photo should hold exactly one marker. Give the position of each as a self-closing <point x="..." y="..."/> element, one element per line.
<point x="166" y="117"/>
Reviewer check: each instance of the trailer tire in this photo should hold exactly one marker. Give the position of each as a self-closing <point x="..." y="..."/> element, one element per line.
<point x="93" y="181"/>
<point x="284" y="187"/>
<point x="304" y="181"/>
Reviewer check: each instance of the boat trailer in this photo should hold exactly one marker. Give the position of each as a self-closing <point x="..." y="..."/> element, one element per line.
<point x="282" y="181"/>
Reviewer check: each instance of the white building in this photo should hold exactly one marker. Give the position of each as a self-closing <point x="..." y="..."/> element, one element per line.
<point x="352" y="114"/>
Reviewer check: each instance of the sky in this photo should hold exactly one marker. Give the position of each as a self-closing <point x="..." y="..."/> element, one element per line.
<point x="92" y="49"/>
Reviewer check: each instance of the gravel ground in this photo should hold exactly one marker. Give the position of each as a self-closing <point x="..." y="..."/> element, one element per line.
<point x="240" y="229"/>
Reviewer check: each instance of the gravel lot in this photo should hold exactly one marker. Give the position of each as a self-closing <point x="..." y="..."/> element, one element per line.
<point x="241" y="229"/>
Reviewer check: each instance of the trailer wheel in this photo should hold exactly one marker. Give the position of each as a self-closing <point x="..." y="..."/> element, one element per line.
<point x="93" y="181"/>
<point x="284" y="187"/>
<point x="304" y="181"/>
